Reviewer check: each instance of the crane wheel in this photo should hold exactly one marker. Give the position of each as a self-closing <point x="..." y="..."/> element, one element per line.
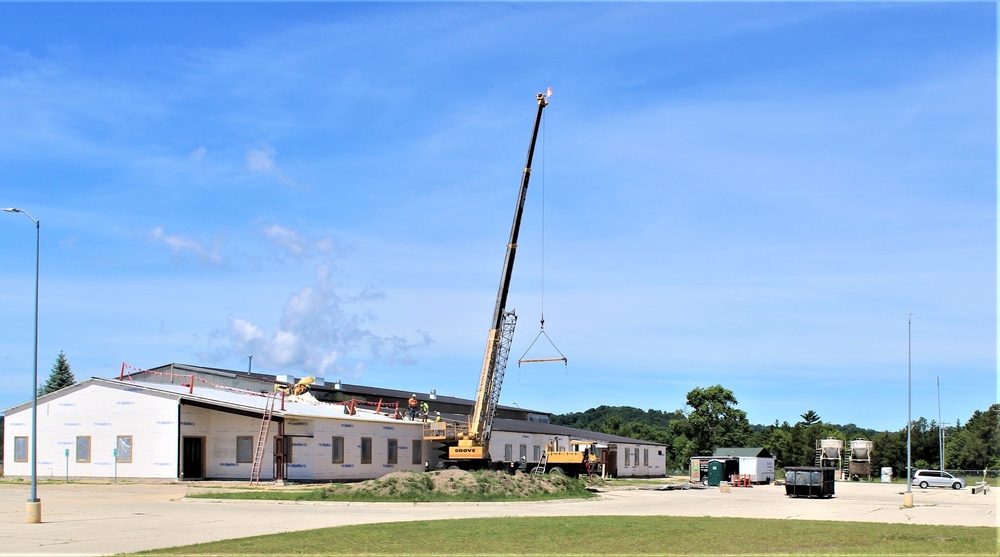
<point x="557" y="471"/>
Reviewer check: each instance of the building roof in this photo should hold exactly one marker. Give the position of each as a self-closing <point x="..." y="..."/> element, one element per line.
<point x="759" y="452"/>
<point x="251" y="403"/>
<point x="524" y="426"/>
<point x="245" y="380"/>
<point x="229" y="399"/>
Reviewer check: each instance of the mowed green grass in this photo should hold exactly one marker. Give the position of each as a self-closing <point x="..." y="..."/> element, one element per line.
<point x="613" y="535"/>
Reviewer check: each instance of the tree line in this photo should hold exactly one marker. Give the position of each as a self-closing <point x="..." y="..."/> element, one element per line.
<point x="714" y="420"/>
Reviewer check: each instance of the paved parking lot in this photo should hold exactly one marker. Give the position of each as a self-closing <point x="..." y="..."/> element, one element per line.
<point x="93" y="519"/>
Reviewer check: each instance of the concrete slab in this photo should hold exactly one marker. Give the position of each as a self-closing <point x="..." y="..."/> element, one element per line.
<point x="93" y="519"/>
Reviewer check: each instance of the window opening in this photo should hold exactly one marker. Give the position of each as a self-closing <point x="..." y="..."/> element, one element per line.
<point x="244" y="449"/>
<point x="338" y="450"/>
<point x="83" y="448"/>
<point x="366" y="450"/>
<point x="124" y="446"/>
<point x="417" y="452"/>
<point x="20" y="449"/>
<point x="392" y="450"/>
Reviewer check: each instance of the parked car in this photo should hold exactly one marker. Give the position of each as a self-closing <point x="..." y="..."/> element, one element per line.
<point x="937" y="478"/>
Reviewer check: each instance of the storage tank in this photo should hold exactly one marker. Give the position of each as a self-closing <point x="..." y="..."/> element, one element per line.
<point x="861" y="449"/>
<point x="831" y="448"/>
<point x="861" y="459"/>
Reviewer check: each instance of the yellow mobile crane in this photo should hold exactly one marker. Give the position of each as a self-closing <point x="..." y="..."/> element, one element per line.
<point x="468" y="444"/>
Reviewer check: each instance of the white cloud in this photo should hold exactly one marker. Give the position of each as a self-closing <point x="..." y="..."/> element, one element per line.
<point x="261" y="161"/>
<point x="294" y="244"/>
<point x="180" y="245"/>
<point x="244" y="330"/>
<point x="321" y="331"/>
<point x="286" y="348"/>
<point x="286" y="238"/>
<point x="198" y="154"/>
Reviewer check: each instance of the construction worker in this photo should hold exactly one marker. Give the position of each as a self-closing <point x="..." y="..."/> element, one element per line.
<point x="438" y="417"/>
<point x="424" y="408"/>
<point x="411" y="410"/>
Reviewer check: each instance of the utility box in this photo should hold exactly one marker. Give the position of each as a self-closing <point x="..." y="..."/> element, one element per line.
<point x="809" y="481"/>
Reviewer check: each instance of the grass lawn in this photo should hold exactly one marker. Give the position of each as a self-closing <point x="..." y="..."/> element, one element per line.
<point x="613" y="535"/>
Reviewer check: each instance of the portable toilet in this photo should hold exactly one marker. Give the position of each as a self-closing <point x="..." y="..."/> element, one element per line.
<point x="716" y="471"/>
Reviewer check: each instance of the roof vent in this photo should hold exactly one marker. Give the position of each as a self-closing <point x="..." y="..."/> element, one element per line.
<point x="434" y="394"/>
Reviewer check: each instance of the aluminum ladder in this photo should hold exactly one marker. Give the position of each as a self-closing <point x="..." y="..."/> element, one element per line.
<point x="540" y="468"/>
<point x="261" y="447"/>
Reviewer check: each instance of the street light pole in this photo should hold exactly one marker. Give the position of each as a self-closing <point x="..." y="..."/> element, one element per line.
<point x="940" y="428"/>
<point x="34" y="503"/>
<point x="908" y="496"/>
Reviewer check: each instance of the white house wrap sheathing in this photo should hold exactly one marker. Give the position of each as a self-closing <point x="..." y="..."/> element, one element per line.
<point x="179" y="432"/>
<point x="103" y="414"/>
<point x="156" y="418"/>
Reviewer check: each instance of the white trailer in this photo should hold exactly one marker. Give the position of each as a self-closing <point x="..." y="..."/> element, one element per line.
<point x="760" y="469"/>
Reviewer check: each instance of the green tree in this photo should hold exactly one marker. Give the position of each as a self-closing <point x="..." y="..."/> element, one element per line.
<point x="59" y="378"/>
<point x="714" y="422"/>
<point x="976" y="445"/>
<point x="889" y="450"/>
<point x="809" y="418"/>
<point x="777" y="439"/>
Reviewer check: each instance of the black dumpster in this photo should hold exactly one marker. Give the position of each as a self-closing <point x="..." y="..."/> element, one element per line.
<point x="809" y="481"/>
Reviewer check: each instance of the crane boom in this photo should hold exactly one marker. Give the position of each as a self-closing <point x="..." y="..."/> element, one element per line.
<point x="495" y="358"/>
<point x="472" y="444"/>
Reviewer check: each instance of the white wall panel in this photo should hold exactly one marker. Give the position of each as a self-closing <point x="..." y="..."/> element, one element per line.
<point x="102" y="413"/>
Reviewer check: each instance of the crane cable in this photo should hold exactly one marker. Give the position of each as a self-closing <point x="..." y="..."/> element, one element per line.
<point x="541" y="330"/>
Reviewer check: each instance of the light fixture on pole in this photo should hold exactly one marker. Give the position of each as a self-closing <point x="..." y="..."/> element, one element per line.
<point x="908" y="496"/>
<point x="34" y="503"/>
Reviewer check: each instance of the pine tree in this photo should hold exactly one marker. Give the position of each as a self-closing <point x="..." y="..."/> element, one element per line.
<point x="60" y="377"/>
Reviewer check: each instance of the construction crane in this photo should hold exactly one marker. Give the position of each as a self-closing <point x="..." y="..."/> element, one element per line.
<point x="468" y="444"/>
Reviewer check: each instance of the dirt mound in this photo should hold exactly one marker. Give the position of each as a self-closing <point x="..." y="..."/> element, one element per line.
<point x="461" y="484"/>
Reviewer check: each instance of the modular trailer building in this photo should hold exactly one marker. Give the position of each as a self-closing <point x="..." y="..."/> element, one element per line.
<point x="177" y="430"/>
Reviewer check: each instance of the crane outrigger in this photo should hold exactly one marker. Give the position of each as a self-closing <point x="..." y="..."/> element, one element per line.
<point x="469" y="444"/>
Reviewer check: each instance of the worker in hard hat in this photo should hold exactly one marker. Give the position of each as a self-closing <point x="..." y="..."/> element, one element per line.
<point x="411" y="410"/>
<point x="424" y="409"/>
<point x="437" y="417"/>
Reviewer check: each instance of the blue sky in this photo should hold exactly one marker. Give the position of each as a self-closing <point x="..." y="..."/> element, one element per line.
<point x="751" y="195"/>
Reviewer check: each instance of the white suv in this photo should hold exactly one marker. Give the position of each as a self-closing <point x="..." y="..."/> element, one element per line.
<point x="937" y="478"/>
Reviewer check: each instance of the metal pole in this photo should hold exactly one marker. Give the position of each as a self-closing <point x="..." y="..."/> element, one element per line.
<point x="34" y="382"/>
<point x="34" y="503"/>
<point x="940" y="430"/>
<point x="908" y="496"/>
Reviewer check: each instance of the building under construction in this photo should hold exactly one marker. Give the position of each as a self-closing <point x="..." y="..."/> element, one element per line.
<point x="184" y="422"/>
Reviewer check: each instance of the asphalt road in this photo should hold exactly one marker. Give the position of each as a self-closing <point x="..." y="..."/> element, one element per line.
<point x="94" y="519"/>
